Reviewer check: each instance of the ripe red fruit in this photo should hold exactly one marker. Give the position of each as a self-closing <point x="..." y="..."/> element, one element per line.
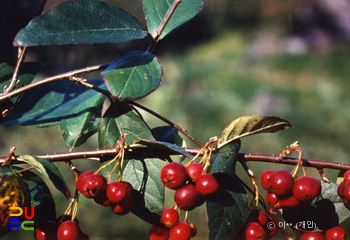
<point x="124" y="206"/>
<point x="254" y="231"/>
<point x="90" y="184"/>
<point x="312" y="236"/>
<point x="129" y="188"/>
<point x="187" y="197"/>
<point x="116" y="191"/>
<point x="340" y="190"/>
<point x="261" y="217"/>
<point x="280" y="183"/>
<point x="271" y="199"/>
<point x="158" y="233"/>
<point x="346" y="190"/>
<point x="169" y="217"/>
<point x="206" y="184"/>
<point x="289" y="201"/>
<point x="264" y="178"/>
<point x="194" y="170"/>
<point x="173" y="175"/>
<point x="46" y="230"/>
<point x="347" y="176"/>
<point x="335" y="233"/>
<point x="102" y="199"/>
<point x="306" y="188"/>
<point x="181" y="231"/>
<point x="68" y="230"/>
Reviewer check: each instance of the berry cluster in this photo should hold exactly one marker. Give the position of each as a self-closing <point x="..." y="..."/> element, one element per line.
<point x="258" y="229"/>
<point x="117" y="195"/>
<point x="284" y="191"/>
<point x="344" y="189"/>
<point x="334" y="233"/>
<point x="51" y="230"/>
<point x="191" y="187"/>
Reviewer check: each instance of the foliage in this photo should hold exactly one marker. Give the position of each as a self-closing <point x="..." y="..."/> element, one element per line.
<point x="129" y="149"/>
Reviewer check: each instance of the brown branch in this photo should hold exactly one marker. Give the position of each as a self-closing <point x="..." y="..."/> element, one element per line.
<point x="143" y="152"/>
<point x="48" y="80"/>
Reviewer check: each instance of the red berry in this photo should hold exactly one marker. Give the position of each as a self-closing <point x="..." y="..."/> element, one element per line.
<point x="129" y="188"/>
<point x="187" y="197"/>
<point x="206" y="184"/>
<point x="312" y="236"/>
<point x="124" y="206"/>
<point x="306" y="188"/>
<point x="46" y="231"/>
<point x="347" y="176"/>
<point x="254" y="231"/>
<point x="158" y="233"/>
<point x="181" y="231"/>
<point x="271" y="199"/>
<point x="280" y="183"/>
<point x="346" y="190"/>
<point x="289" y="201"/>
<point x="102" y="199"/>
<point x="169" y="217"/>
<point x="116" y="191"/>
<point x="90" y="184"/>
<point x="68" y="230"/>
<point x="335" y="233"/>
<point x="340" y="190"/>
<point x="264" y="177"/>
<point x="193" y="230"/>
<point x="261" y="217"/>
<point x="173" y="175"/>
<point x="194" y="170"/>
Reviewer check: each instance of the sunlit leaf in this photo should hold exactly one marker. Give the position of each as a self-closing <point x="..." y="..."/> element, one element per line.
<point x="133" y="75"/>
<point x="251" y="124"/>
<point x="49" y="171"/>
<point x="156" y="12"/>
<point x="83" y="21"/>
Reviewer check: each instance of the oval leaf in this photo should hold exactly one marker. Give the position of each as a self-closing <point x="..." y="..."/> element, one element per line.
<point x="156" y="12"/>
<point x="251" y="124"/>
<point x="83" y="21"/>
<point x="133" y="75"/>
<point x="48" y="171"/>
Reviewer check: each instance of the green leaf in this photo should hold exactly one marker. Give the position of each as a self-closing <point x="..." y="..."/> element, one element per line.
<point x="326" y="212"/>
<point x="142" y="174"/>
<point x="133" y="75"/>
<point x="48" y="171"/>
<point x="47" y="105"/>
<point x="227" y="209"/>
<point x="251" y="124"/>
<point x="170" y="149"/>
<point x="156" y="12"/>
<point x="83" y="21"/>
<point x="166" y="134"/>
<point x="77" y="130"/>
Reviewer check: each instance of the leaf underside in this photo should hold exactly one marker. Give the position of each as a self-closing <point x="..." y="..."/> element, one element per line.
<point x="251" y="124"/>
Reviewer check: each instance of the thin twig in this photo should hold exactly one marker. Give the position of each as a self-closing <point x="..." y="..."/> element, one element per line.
<point x="52" y="79"/>
<point x="177" y="127"/>
<point x="13" y="83"/>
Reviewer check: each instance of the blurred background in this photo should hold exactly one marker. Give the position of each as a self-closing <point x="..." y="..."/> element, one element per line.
<point x="285" y="58"/>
